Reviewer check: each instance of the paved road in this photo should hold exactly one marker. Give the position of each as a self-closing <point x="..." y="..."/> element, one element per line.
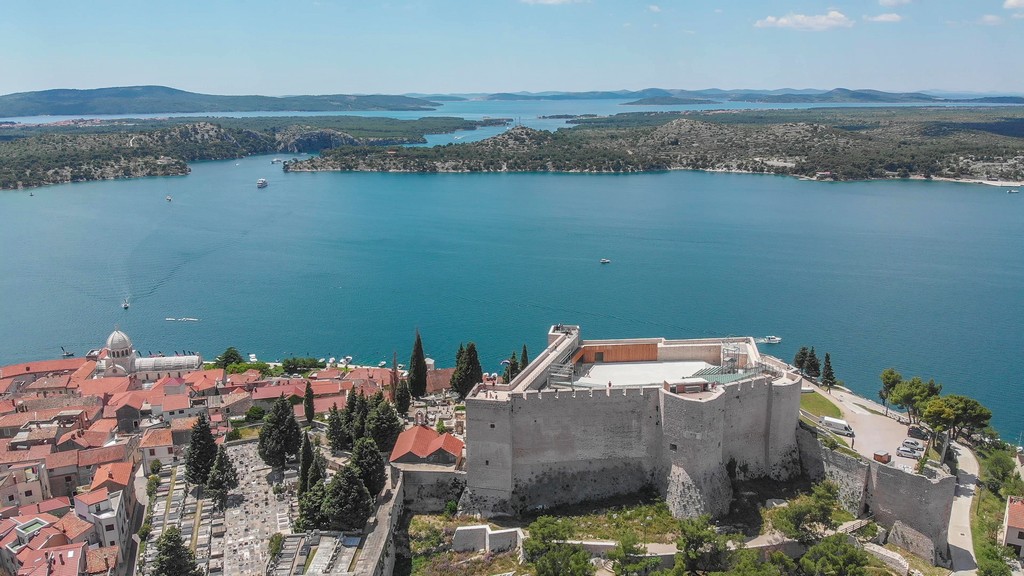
<point x="874" y="432"/>
<point x="961" y="546"/>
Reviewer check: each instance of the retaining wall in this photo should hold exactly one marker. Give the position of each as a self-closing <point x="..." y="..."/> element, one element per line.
<point x="428" y="491"/>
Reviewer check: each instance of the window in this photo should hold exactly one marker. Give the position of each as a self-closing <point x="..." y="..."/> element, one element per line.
<point x="1020" y="535"/>
<point x="28" y="493"/>
<point x="67" y="478"/>
<point x="109" y="527"/>
<point x="672" y="447"/>
<point x="492" y="425"/>
<point x="152" y="451"/>
<point x="10" y="497"/>
<point x="487" y="462"/>
<point x="170" y="450"/>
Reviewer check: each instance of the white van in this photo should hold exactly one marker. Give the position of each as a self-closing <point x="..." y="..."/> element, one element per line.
<point x="836" y="425"/>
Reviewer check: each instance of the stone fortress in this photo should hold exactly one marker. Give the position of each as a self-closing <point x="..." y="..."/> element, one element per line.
<point x="592" y="419"/>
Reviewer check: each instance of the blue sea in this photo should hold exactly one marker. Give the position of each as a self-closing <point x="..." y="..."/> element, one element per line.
<point x="927" y="277"/>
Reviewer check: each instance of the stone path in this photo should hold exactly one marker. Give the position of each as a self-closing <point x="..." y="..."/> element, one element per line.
<point x="961" y="546"/>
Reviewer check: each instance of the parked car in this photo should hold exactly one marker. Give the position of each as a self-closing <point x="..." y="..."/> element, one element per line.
<point x="915" y="445"/>
<point x="907" y="453"/>
<point x="917" y="432"/>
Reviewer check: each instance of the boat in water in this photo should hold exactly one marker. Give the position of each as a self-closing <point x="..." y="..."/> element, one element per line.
<point x="605" y="261"/>
<point x="382" y="364"/>
<point x="65" y="353"/>
<point x="276" y="161"/>
<point x="125" y="304"/>
<point x="170" y="319"/>
<point x="1013" y="191"/>
<point x="168" y="197"/>
<point x="769" y="340"/>
<point x="261" y="183"/>
<point x="253" y="359"/>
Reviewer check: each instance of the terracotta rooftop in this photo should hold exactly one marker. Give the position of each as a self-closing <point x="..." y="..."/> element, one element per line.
<point x="321" y="405"/>
<point x="67" y="459"/>
<point x="274" y="392"/>
<point x="72" y="526"/>
<point x="8" y="456"/>
<point x="54" y="382"/>
<point x="94" y="456"/>
<point x="103" y="387"/>
<point x="251" y="375"/>
<point x="104" y="425"/>
<point x="173" y="402"/>
<point x="1015" y="512"/>
<point x="66" y="561"/>
<point x="101" y="560"/>
<point x="42" y="367"/>
<point x="94" y="497"/>
<point x="424" y="441"/>
<point x="157" y="437"/>
<point x="439" y="379"/>
<point x="48" y="506"/>
<point x="116" y="473"/>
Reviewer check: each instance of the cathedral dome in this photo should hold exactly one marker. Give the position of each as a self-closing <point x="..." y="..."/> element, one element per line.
<point x="118" y="341"/>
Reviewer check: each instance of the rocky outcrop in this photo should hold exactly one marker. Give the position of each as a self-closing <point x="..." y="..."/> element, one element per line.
<point x="313" y="140"/>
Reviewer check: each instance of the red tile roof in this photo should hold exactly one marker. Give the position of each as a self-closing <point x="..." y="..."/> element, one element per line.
<point x="184" y="423"/>
<point x="94" y="456"/>
<point x="274" y="392"/>
<point x="73" y="527"/>
<point x="8" y="456"/>
<point x="424" y="441"/>
<point x="57" y="460"/>
<point x="379" y="375"/>
<point x="247" y="377"/>
<point x="104" y="425"/>
<point x="42" y="367"/>
<point x="101" y="560"/>
<point x="174" y="402"/>
<point x="327" y="374"/>
<point x="66" y="561"/>
<point x="325" y="388"/>
<point x="157" y="437"/>
<point x="56" y="382"/>
<point x="94" y="497"/>
<point x="439" y="379"/>
<point x="1015" y="512"/>
<point x="51" y="505"/>
<point x="114" y="473"/>
<point x="103" y="387"/>
<point x="321" y="405"/>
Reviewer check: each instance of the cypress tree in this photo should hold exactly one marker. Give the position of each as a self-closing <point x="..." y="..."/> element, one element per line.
<point x="280" y="435"/>
<point x="201" y="452"/>
<point x="317" y="470"/>
<point x="458" y="376"/>
<point x="376" y="400"/>
<point x="223" y="478"/>
<point x="305" y="462"/>
<point x="417" y="369"/>
<point x="369" y="462"/>
<point x="475" y="374"/>
<point x="310" y="507"/>
<point x="402" y="398"/>
<point x="337" y="435"/>
<point x="307" y="404"/>
<point x="173" y="557"/>
<point x="384" y="426"/>
<point x="812" y="367"/>
<point x="828" y="377"/>
<point x="524" y="359"/>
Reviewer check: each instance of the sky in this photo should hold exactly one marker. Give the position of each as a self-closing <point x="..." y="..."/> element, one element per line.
<point x="468" y="46"/>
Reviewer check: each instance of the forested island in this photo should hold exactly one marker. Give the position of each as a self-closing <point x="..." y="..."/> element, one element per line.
<point x="75" y="151"/>
<point x="834" y="143"/>
<point x="668" y="101"/>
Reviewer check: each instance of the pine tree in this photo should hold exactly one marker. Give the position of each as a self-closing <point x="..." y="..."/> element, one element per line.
<point x="310" y="506"/>
<point x="368" y="460"/>
<point x="201" y="452"/>
<point x="305" y="462"/>
<point x="317" y="470"/>
<point x="280" y="436"/>
<point x="800" y="359"/>
<point x="524" y="359"/>
<point x="376" y="400"/>
<point x="812" y="367"/>
<point x="307" y="404"/>
<point x="384" y="426"/>
<point x="402" y="398"/>
<point x="347" y="503"/>
<point x="222" y="479"/>
<point x="417" y="369"/>
<point x="337" y="435"/>
<point x="173" y="557"/>
<point x="828" y="377"/>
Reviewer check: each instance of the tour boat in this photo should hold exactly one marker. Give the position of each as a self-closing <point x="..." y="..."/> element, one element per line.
<point x="261" y="183"/>
<point x="170" y="319"/>
<point x="605" y="261"/>
<point x="772" y="339"/>
<point x="252" y="358"/>
<point x="125" y="304"/>
<point x="382" y="364"/>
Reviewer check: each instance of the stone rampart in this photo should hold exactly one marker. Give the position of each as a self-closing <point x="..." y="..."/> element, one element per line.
<point x="378" y="551"/>
<point x="428" y="491"/>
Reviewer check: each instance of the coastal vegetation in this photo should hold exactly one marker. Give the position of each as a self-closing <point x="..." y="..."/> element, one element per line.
<point x="829" y="144"/>
<point x="999" y="480"/>
<point x="37" y="155"/>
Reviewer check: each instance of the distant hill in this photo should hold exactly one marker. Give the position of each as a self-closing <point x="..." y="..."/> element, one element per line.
<point x="161" y="99"/>
<point x="839" y="95"/>
<point x="598" y="95"/>
<point x="668" y="101"/>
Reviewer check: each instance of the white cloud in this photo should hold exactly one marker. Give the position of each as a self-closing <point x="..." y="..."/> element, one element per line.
<point x="891" y="3"/>
<point x="884" y="18"/>
<point x="990" y="20"/>
<point x="1018" y="15"/>
<point x="1013" y="4"/>
<point x="654" y="8"/>
<point x="834" y="19"/>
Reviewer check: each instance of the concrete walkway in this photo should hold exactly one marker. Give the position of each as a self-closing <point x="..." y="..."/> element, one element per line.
<point x="961" y="547"/>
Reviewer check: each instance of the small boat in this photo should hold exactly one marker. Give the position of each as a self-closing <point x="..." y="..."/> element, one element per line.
<point x="168" y="197"/>
<point x="125" y="304"/>
<point x="261" y="183"/>
<point x="382" y="364"/>
<point x="401" y="366"/>
<point x="188" y="319"/>
<point x="252" y="358"/>
<point x="1013" y="191"/>
<point x="31" y="193"/>
<point x="605" y="261"/>
<point x="275" y="161"/>
<point x="65" y="353"/>
<point x="170" y="319"/>
<point x="348" y="359"/>
<point x="771" y="340"/>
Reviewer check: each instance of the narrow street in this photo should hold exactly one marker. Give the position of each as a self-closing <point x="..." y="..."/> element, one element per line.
<point x="961" y="547"/>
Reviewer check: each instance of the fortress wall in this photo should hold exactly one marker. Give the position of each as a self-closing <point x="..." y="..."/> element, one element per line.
<point x="710" y="352"/>
<point x="783" y="452"/>
<point x="917" y="508"/>
<point x="745" y="434"/>
<point x="427" y="491"/>
<point x="582" y="445"/>
<point x="696" y="481"/>
<point x="489" y="457"/>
